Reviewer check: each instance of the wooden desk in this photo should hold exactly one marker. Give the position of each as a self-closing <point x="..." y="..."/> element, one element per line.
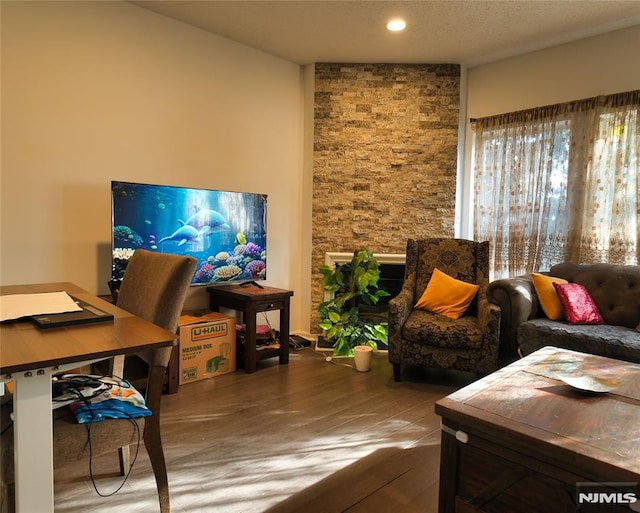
<point x="250" y="300"/>
<point x="521" y="440"/>
<point x="30" y="356"/>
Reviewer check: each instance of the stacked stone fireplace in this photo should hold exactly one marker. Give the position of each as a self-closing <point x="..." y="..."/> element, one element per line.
<point x="384" y="160"/>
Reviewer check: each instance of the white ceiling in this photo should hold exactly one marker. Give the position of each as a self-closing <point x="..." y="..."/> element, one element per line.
<point x="469" y="32"/>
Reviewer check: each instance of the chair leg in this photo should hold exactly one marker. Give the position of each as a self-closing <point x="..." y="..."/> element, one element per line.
<point x="153" y="444"/>
<point x="117" y="369"/>
<point x="124" y="455"/>
<point x="397" y="372"/>
<point x="152" y="438"/>
<point x="7" y="498"/>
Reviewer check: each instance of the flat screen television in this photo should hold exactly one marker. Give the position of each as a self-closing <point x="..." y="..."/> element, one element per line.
<point x="225" y="231"/>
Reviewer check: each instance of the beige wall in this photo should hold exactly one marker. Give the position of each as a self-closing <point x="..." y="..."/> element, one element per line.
<point x="95" y="91"/>
<point x="600" y="65"/>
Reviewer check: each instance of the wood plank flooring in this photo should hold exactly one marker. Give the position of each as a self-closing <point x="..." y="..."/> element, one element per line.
<point x="308" y="437"/>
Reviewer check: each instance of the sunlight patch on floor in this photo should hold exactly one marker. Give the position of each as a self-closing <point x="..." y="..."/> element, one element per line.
<point x="263" y="479"/>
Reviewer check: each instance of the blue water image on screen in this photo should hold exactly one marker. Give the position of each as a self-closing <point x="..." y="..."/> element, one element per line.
<point x="225" y="231"/>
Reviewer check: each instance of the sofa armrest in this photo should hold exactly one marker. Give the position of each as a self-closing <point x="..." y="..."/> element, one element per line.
<point x="518" y="302"/>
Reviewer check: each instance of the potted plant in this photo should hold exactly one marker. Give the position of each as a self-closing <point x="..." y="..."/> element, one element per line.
<point x="351" y="283"/>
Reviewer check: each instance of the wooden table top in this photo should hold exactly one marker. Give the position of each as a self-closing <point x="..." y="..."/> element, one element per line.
<point x="249" y="292"/>
<point x="24" y="347"/>
<point x="526" y="402"/>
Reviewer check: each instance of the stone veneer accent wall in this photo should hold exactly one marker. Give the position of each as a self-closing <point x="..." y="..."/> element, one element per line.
<point x="385" y="158"/>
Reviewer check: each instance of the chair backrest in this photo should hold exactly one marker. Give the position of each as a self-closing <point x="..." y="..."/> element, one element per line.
<point x="154" y="287"/>
<point x="462" y="259"/>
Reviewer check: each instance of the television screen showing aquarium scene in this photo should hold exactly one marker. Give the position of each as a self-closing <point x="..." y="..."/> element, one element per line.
<point x="225" y="231"/>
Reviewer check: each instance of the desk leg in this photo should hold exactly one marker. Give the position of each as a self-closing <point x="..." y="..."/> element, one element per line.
<point x="33" y="446"/>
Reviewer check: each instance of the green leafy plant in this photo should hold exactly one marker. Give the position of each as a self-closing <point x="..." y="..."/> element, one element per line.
<point x="352" y="283"/>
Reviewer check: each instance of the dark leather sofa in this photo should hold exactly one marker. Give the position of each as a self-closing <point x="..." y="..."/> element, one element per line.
<point x="615" y="289"/>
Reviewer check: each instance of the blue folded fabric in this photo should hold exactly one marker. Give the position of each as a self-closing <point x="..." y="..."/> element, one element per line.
<point x="109" y="409"/>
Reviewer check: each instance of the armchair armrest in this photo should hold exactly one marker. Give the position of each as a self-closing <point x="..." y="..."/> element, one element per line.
<point x="489" y="315"/>
<point x="399" y="309"/>
<point x="518" y="302"/>
<point x="400" y="306"/>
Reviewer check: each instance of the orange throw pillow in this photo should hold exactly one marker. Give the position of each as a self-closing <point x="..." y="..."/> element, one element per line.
<point x="447" y="296"/>
<point x="547" y="295"/>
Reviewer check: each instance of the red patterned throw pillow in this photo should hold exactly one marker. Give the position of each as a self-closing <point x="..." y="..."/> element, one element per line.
<point x="578" y="305"/>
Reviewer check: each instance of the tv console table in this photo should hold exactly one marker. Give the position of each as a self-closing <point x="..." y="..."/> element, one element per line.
<point x="251" y="299"/>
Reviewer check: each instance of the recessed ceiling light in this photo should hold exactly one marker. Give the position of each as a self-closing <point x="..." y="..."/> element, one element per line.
<point x="396" y="25"/>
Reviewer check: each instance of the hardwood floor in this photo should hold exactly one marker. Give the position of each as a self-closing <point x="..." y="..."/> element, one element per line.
<point x="311" y="436"/>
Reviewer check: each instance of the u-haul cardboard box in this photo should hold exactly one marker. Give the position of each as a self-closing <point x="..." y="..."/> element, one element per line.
<point x="207" y="345"/>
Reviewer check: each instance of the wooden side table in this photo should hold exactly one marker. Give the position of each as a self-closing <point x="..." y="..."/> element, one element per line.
<point x="251" y="299"/>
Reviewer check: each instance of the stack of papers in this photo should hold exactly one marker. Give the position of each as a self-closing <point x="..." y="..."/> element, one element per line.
<point x="15" y="306"/>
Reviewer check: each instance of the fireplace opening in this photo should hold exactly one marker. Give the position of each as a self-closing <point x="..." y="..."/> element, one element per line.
<point x="391" y="278"/>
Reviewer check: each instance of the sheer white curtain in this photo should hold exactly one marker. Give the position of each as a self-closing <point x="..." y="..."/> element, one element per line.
<point x="559" y="184"/>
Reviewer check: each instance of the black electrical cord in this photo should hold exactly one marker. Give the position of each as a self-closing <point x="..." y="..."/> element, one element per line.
<point x="128" y="472"/>
<point x="84" y="381"/>
<point x="77" y="385"/>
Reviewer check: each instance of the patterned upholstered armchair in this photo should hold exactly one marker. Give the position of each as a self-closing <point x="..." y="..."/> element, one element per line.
<point x="421" y="338"/>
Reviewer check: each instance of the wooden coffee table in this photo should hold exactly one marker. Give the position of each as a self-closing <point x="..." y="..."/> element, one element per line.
<point x="522" y="440"/>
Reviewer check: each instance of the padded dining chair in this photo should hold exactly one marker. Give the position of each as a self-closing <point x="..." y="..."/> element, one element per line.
<point x="420" y="335"/>
<point x="154" y="287"/>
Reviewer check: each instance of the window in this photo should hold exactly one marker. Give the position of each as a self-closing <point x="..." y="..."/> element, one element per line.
<point x="559" y="183"/>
